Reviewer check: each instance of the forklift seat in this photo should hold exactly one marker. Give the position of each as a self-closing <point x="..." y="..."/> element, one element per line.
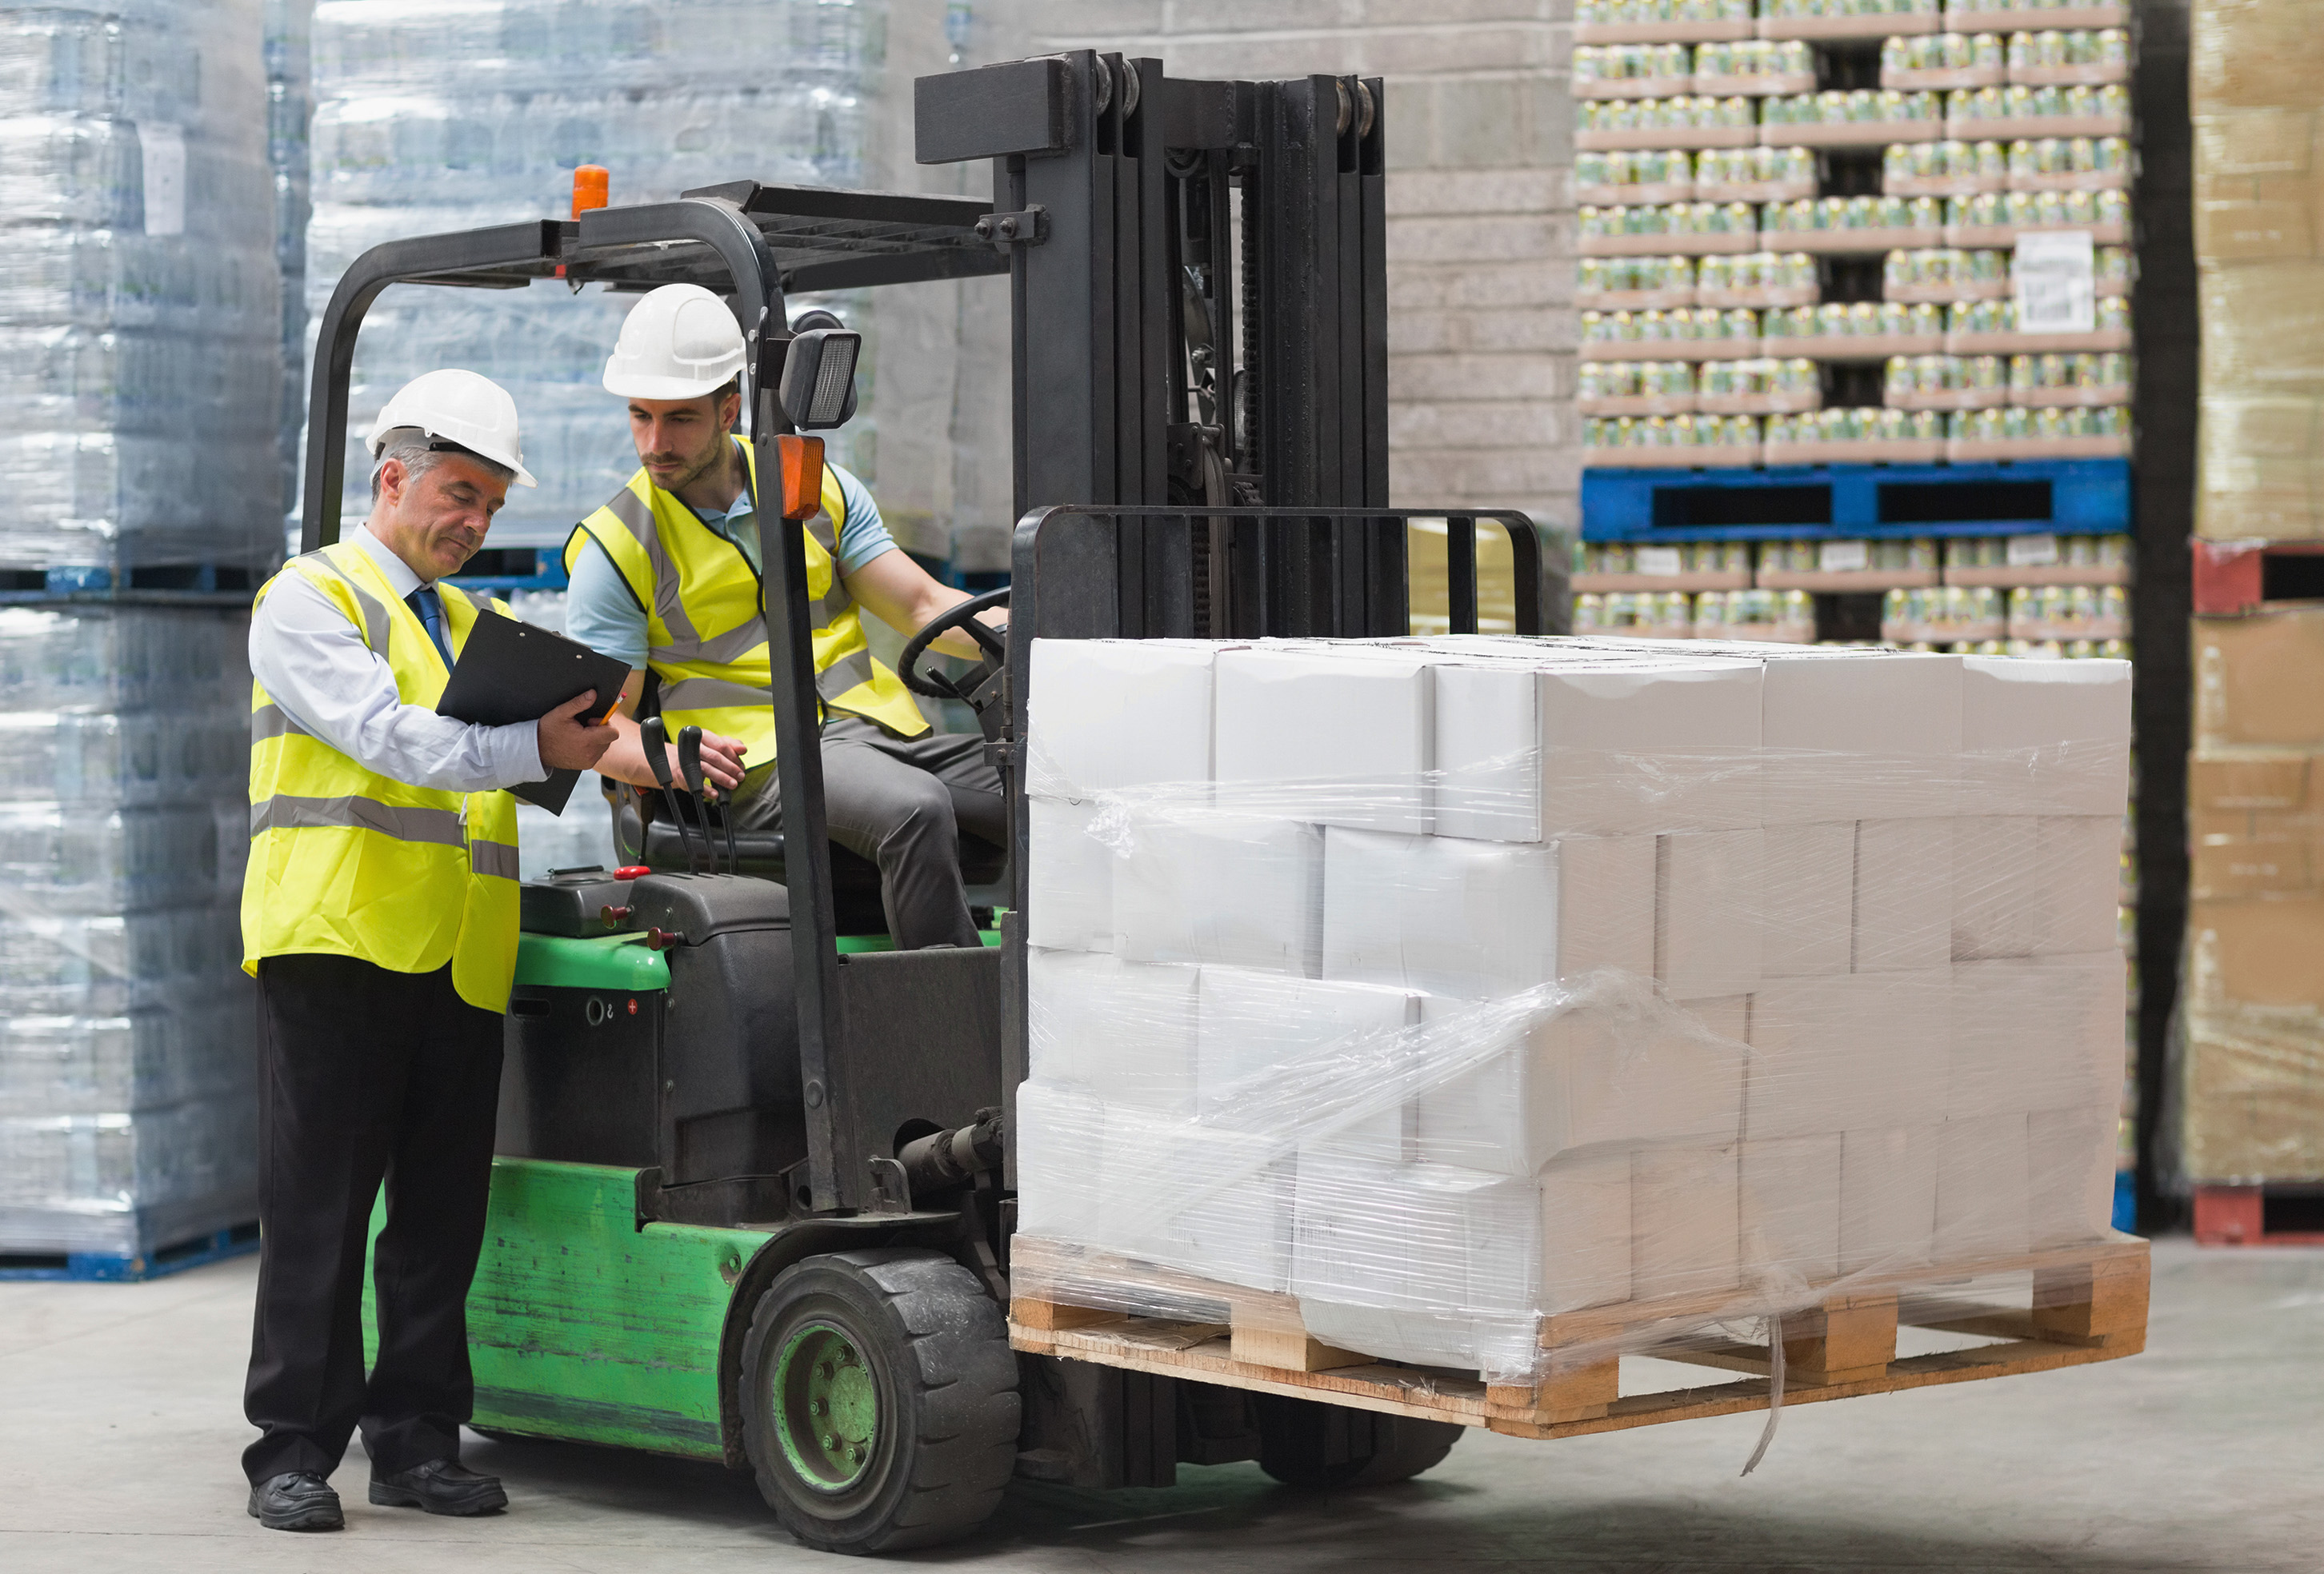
<point x="854" y="879"/>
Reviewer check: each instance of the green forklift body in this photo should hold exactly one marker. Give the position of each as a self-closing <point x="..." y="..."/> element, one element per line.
<point x="584" y="1326"/>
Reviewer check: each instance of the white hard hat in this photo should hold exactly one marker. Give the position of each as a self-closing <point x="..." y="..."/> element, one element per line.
<point x="456" y="407"/>
<point x="680" y="342"/>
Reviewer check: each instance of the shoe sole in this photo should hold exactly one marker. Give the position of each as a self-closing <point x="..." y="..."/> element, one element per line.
<point x="483" y="1502"/>
<point x="315" y="1517"/>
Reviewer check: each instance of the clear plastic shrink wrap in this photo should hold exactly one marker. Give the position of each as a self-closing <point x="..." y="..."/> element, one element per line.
<point x="126" y="1098"/>
<point x="1446" y="985"/>
<point x="141" y="357"/>
<point x="468" y="112"/>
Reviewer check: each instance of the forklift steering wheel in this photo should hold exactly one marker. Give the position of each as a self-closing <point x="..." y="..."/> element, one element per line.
<point x="935" y="684"/>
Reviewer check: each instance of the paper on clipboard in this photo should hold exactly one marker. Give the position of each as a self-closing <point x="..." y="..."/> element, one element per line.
<point x="511" y="672"/>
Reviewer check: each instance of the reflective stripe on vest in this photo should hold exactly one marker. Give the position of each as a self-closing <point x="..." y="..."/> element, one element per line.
<point x="349" y="862"/>
<point x="705" y="628"/>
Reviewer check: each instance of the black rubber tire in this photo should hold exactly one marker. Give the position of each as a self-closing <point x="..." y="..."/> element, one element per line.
<point x="935" y="1346"/>
<point x="1298" y="1444"/>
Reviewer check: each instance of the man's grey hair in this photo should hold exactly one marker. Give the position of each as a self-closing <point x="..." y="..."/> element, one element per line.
<point x="415" y="451"/>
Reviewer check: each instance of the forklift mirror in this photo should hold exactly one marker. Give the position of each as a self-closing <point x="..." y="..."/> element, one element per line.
<point x="802" y="466"/>
<point x="818" y="385"/>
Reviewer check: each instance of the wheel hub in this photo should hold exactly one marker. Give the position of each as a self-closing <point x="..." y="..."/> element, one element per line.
<point x="828" y="1405"/>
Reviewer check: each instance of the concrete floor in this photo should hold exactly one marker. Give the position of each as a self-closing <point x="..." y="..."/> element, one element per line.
<point x="120" y="1423"/>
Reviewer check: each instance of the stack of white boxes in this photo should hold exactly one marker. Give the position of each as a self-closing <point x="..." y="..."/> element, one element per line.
<point x="1449" y="983"/>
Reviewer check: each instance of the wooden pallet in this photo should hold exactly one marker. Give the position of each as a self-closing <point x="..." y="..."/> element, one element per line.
<point x="2088" y="1303"/>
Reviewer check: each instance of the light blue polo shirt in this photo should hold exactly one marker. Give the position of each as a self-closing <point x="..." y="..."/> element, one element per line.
<point x="601" y="613"/>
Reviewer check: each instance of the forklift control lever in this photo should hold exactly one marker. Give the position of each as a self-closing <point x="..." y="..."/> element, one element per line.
<point x="689" y="765"/>
<point x="654" y="738"/>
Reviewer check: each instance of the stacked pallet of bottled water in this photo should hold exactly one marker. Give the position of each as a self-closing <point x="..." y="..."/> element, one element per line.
<point x="127" y="1103"/>
<point x="1445" y="986"/>
<point x="468" y="112"/>
<point x="139" y="296"/>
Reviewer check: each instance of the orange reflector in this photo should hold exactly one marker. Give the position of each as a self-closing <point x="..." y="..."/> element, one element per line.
<point x="591" y="186"/>
<point x="802" y="475"/>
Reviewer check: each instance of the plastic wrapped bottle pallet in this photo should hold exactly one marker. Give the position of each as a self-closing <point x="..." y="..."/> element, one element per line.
<point x="475" y="113"/>
<point x="126" y="1090"/>
<point x="138" y="292"/>
<point x="1582" y="993"/>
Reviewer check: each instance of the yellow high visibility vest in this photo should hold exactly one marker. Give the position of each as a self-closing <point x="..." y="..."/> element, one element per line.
<point x="705" y="627"/>
<point x="350" y="862"/>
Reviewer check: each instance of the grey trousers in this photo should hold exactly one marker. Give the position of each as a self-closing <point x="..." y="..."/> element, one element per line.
<point x="902" y="802"/>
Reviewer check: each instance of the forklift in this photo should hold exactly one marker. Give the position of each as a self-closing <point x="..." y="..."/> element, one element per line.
<point x="752" y="1195"/>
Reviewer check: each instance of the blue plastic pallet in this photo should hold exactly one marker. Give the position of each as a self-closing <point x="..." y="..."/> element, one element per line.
<point x="102" y="1267"/>
<point x="548" y="571"/>
<point x="190" y="584"/>
<point x="2125" y="1201"/>
<point x="2081" y="497"/>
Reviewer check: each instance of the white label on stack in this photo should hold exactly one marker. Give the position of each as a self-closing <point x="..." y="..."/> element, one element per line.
<point x="2033" y="551"/>
<point x="1659" y="560"/>
<point x="2054" y="277"/>
<point x="1843" y="557"/>
<point x="163" y="148"/>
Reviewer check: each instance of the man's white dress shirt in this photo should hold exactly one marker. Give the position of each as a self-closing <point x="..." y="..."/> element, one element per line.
<point x="313" y="663"/>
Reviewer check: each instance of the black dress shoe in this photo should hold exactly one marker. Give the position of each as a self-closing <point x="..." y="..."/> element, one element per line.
<point x="440" y="1487"/>
<point x="296" y="1500"/>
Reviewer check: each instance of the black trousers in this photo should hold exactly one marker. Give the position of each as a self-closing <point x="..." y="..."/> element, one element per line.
<point x="366" y="1075"/>
<point x="900" y="803"/>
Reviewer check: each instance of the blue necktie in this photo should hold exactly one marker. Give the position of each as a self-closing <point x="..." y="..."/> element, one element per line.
<point x="424" y="601"/>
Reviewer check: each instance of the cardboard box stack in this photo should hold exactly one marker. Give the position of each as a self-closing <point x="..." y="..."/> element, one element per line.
<point x="2257" y="93"/>
<point x="1445" y="984"/>
<point x="2252" y="1087"/>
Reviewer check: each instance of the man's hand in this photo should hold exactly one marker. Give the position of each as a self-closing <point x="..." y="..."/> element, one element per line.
<point x="569" y="740"/>
<point x="722" y="765"/>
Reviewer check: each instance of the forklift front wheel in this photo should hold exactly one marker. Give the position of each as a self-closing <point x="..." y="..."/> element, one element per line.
<point x="879" y="1404"/>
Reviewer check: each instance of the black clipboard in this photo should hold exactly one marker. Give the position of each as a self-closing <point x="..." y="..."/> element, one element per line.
<point x="511" y="672"/>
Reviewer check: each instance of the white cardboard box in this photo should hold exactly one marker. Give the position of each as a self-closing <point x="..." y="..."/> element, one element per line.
<point x="1877" y="736"/>
<point x="2070" y="1174"/>
<point x="1590" y="1079"/>
<point x="1685" y="1221"/>
<point x="1996" y="896"/>
<point x="1533" y="755"/>
<point x="1887" y="1198"/>
<point x="1903" y="895"/>
<point x="1108" y="715"/>
<point x="1058" y="1134"/>
<point x="2035" y="1033"/>
<point x="1478" y="919"/>
<point x="2047" y="737"/>
<point x="1981" y="1189"/>
<point x="1069" y="879"/>
<point x="1232" y="1222"/>
<point x="1352" y="722"/>
<point x="1863" y="1051"/>
<point x="1239" y="890"/>
<point x="1434" y="1265"/>
<point x="1807" y="916"/>
<point x="1790" y="1203"/>
<point x="2079" y="884"/>
<point x="1709" y="912"/>
<point x="1122" y="1030"/>
<point x="1267" y="1043"/>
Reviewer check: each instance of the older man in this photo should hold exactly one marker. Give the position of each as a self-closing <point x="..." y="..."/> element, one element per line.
<point x="379" y="917"/>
